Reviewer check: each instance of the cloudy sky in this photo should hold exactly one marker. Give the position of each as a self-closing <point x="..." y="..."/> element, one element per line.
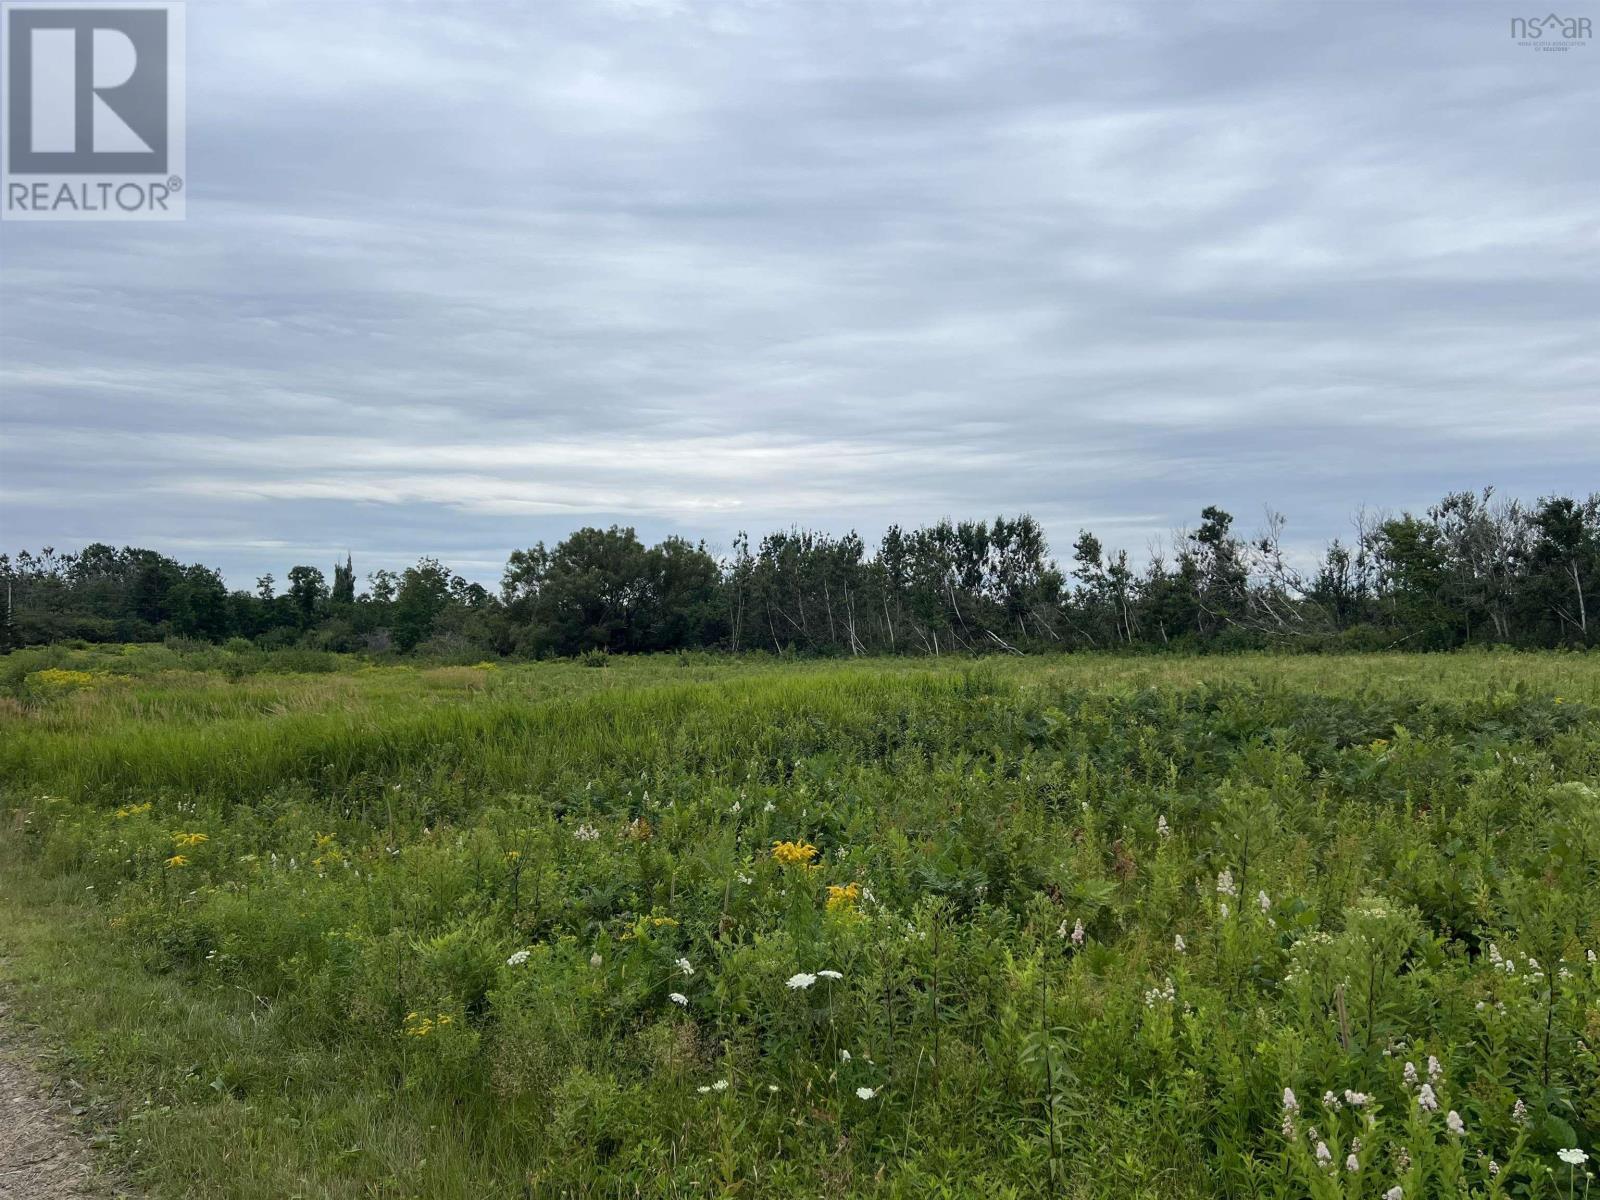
<point x="457" y="277"/>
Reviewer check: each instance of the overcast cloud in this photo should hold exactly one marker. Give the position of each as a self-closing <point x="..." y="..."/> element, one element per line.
<point x="458" y="277"/>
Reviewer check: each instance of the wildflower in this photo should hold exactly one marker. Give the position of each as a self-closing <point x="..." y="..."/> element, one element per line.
<point x="843" y="899"/>
<point x="1179" y="944"/>
<point x="1157" y="995"/>
<point x="513" y="855"/>
<point x="1395" y="1193"/>
<point x="794" y="854"/>
<point x="1589" y="955"/>
<point x="177" y="860"/>
<point x="844" y="1056"/>
<point x="704" y="1089"/>
<point x="1434" y="1069"/>
<point x="1519" y="1113"/>
<point x="1078" y="934"/>
<point x="1324" y="1155"/>
<point x="772" y="1087"/>
<point x="1162" y="829"/>
<point x="1290" y="1103"/>
<point x="1331" y="1102"/>
<point x="769" y="807"/>
<point x="586" y="833"/>
<point x="720" y="1085"/>
<point x="1352" y="1163"/>
<point x="1263" y="901"/>
<point x="595" y="960"/>
<point x="679" y="999"/>
<point x="1454" y="1123"/>
<point x="866" y="1093"/>
<point x="1356" y="1099"/>
<point x="1223" y="910"/>
<point x="1573" y="1158"/>
<point x="187" y="840"/>
<point x="736" y="808"/>
<point x="1225" y="885"/>
<point x="1426" y="1100"/>
<point x="800" y="981"/>
<point x="1494" y="1168"/>
<point x="684" y="966"/>
<point x="829" y="975"/>
<point x="1411" y="1074"/>
<point x="517" y="959"/>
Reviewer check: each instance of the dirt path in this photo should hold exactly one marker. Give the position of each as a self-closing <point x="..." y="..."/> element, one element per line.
<point x="43" y="1156"/>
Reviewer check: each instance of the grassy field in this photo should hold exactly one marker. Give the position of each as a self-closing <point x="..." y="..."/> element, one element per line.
<point x="1080" y="927"/>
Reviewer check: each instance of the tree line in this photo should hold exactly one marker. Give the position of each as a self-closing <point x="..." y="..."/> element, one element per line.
<point x="1472" y="569"/>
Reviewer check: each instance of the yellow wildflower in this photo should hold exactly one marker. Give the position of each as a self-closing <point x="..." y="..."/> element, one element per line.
<point x="186" y="841"/>
<point x="177" y="860"/>
<point x="794" y="854"/>
<point x="660" y="921"/>
<point x="843" y="899"/>
<point x="134" y="810"/>
<point x="513" y="855"/>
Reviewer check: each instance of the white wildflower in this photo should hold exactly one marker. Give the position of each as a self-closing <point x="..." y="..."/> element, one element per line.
<point x="595" y="960"/>
<point x="720" y="1085"/>
<point x="1331" y="1102"/>
<point x="829" y="975"/>
<point x="1454" y="1123"/>
<point x="1225" y="885"/>
<point x="1356" y="1099"/>
<point x="1411" y="1074"/>
<point x="866" y="1093"/>
<point x="1519" y="1113"/>
<point x="844" y="1056"/>
<point x="1395" y="1193"/>
<point x="1434" y="1069"/>
<point x="1290" y="1102"/>
<point x="801" y="981"/>
<point x="517" y="959"/>
<point x="679" y="999"/>
<point x="1573" y="1158"/>
<point x="1426" y="1100"/>
<point x="1077" y="933"/>
<point x="1162" y="828"/>
<point x="586" y="833"/>
<point x="1179" y="944"/>
<point x="685" y="967"/>
<point x="1352" y="1164"/>
<point x="1263" y="901"/>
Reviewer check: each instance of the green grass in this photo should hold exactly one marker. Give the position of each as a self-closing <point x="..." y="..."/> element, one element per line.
<point x="315" y="1000"/>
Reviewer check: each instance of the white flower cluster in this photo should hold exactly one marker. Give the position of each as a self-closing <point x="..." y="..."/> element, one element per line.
<point x="586" y="833"/>
<point x="1160" y="995"/>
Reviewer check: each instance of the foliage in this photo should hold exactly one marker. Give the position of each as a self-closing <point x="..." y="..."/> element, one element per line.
<point x="1084" y="927"/>
<point x="1471" y="570"/>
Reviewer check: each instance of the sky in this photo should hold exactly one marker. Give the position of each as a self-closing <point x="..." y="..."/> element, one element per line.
<point x="460" y="277"/>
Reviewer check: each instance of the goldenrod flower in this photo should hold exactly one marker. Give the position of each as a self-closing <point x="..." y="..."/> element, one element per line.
<point x="188" y="840"/>
<point x="177" y="860"/>
<point x="843" y="899"/>
<point x="794" y="854"/>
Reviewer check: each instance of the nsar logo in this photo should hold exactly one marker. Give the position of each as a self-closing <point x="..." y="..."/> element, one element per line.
<point x="1551" y="32"/>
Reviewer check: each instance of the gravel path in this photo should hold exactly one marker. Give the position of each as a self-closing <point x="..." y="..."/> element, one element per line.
<point x="43" y="1156"/>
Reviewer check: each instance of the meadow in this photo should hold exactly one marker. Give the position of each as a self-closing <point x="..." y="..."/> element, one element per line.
<point x="1079" y="926"/>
